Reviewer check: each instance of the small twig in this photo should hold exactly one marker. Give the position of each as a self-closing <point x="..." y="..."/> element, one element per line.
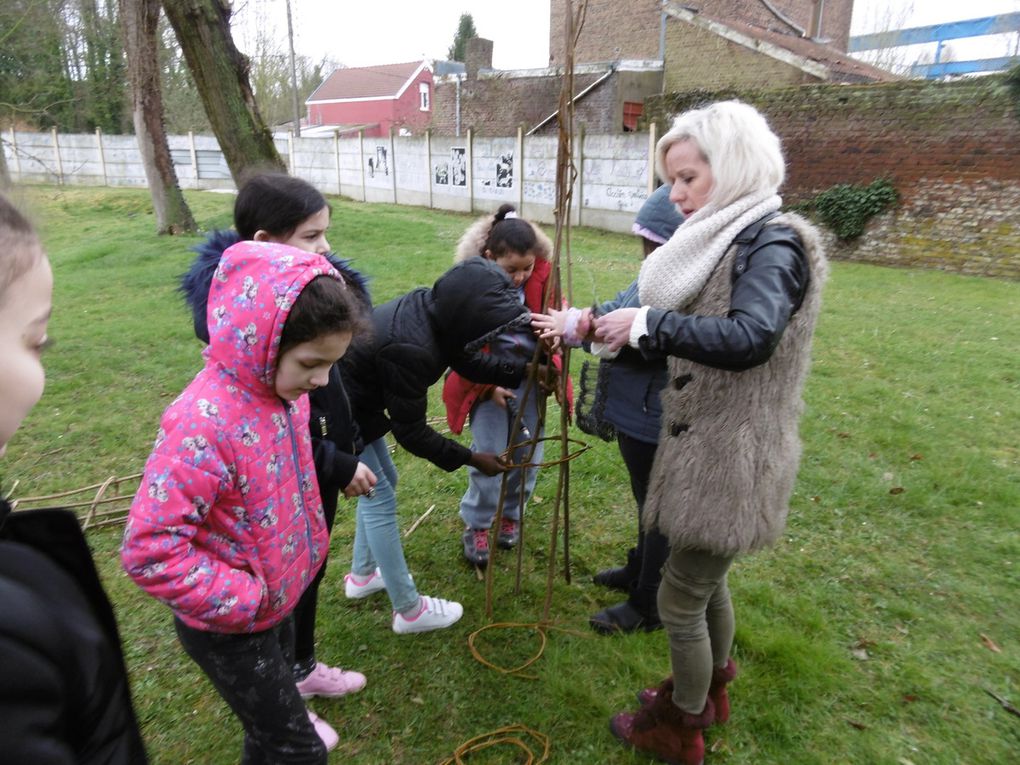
<point x="1003" y="703"/>
<point x="418" y="522"/>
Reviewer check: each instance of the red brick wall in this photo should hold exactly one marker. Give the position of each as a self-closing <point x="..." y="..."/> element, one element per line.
<point x="621" y="29"/>
<point x="951" y="150"/>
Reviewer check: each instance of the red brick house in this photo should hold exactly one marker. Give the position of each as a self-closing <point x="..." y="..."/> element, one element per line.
<point x="374" y="99"/>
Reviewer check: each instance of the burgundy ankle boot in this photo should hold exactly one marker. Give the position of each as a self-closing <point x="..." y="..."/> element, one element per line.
<point x="665" y="731"/>
<point x="721" y="677"/>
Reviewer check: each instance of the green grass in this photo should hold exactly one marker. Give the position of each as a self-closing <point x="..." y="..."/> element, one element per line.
<point x="859" y="636"/>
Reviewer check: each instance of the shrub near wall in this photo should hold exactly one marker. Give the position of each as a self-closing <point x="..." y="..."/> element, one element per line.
<point x="950" y="149"/>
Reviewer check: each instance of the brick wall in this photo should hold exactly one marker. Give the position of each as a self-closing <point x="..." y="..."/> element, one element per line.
<point x="620" y="29"/>
<point x="952" y="151"/>
<point x="699" y="57"/>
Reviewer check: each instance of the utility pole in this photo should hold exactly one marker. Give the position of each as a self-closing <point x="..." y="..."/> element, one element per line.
<point x="293" y="74"/>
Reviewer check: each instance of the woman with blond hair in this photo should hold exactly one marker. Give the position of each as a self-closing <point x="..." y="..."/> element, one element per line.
<point x="731" y="302"/>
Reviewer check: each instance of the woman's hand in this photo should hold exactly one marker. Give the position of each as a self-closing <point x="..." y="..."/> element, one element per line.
<point x="500" y="395"/>
<point x="613" y="329"/>
<point x="363" y="482"/>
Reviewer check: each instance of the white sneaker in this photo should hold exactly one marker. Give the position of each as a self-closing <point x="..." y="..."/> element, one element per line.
<point x="433" y="614"/>
<point x="362" y="587"/>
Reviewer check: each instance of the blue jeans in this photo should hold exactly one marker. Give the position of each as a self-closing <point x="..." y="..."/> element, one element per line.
<point x="377" y="535"/>
<point x="490" y="426"/>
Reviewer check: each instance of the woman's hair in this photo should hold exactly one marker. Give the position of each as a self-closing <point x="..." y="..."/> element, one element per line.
<point x="19" y="246"/>
<point x="326" y="305"/>
<point x="512" y="234"/>
<point x="735" y="140"/>
<point x="275" y="203"/>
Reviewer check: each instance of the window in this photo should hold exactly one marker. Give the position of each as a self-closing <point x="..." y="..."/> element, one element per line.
<point x="631" y="112"/>
<point x="423" y="96"/>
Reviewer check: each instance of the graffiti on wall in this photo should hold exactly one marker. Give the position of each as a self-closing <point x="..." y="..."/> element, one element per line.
<point x="379" y="163"/>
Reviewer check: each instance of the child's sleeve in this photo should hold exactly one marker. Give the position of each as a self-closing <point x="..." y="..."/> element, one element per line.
<point x="406" y="401"/>
<point x="158" y="553"/>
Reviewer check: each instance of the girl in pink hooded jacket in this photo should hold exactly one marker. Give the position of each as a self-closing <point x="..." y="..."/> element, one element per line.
<point x="227" y="527"/>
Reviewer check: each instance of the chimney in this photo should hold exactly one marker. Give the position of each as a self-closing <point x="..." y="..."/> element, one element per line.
<point x="477" y="55"/>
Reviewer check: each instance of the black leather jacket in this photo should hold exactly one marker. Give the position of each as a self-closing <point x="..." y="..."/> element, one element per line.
<point x="770" y="276"/>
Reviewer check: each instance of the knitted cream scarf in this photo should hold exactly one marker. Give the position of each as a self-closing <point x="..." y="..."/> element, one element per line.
<point x="674" y="274"/>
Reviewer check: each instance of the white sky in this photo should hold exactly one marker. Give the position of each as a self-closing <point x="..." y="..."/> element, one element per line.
<point x="359" y="33"/>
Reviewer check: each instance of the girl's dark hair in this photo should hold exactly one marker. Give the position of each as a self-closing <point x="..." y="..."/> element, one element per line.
<point x="511" y="234"/>
<point x="275" y="203"/>
<point x="19" y="246"/>
<point x="326" y="305"/>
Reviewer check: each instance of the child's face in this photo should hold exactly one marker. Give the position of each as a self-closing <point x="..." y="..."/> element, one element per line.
<point x="24" y="315"/>
<point x="518" y="265"/>
<point x="306" y="366"/>
<point x="310" y="234"/>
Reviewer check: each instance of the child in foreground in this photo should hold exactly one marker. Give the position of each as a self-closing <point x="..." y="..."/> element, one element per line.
<point x="63" y="686"/>
<point x="227" y="527"/>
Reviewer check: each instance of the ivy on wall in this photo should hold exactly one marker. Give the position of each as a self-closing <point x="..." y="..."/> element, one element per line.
<point x="846" y="207"/>
<point x="1013" y="83"/>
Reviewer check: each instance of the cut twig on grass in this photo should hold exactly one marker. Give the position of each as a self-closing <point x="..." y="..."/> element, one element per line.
<point x="107" y="506"/>
<point x="505" y="735"/>
<point x="417" y="523"/>
<point x="1003" y="703"/>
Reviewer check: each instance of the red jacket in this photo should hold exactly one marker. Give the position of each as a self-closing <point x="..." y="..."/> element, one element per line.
<point x="460" y="394"/>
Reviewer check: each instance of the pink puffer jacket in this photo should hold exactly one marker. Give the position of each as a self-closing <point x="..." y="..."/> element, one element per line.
<point x="227" y="526"/>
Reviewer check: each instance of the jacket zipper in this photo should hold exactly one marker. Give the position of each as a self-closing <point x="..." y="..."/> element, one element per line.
<point x="300" y="476"/>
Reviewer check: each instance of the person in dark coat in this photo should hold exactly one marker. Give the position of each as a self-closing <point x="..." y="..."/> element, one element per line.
<point x="417" y="337"/>
<point x="64" y="694"/>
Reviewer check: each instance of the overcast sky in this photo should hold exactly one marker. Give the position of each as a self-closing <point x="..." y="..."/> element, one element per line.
<point x="358" y="33"/>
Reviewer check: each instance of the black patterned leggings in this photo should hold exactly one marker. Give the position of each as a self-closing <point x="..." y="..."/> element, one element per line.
<point x="252" y="672"/>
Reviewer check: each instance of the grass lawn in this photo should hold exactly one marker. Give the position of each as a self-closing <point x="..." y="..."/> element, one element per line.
<point x="869" y="635"/>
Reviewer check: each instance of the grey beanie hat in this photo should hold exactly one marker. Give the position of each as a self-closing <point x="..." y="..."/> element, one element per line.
<point x="658" y="218"/>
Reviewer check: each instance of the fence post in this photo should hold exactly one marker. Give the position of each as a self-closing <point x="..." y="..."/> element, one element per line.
<point x="56" y="156"/>
<point x="519" y="170"/>
<point x="336" y="154"/>
<point x="428" y="163"/>
<point x="393" y="169"/>
<point x="469" y="171"/>
<point x="580" y="172"/>
<point x="652" y="140"/>
<point x="102" y="155"/>
<point x="290" y="152"/>
<point x="14" y="151"/>
<point x="361" y="161"/>
<point x="194" y="157"/>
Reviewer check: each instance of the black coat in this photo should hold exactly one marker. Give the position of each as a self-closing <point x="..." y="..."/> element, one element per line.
<point x="417" y="336"/>
<point x="64" y="694"/>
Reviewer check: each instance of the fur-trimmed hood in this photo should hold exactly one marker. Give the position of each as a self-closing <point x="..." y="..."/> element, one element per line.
<point x="194" y="283"/>
<point x="472" y="242"/>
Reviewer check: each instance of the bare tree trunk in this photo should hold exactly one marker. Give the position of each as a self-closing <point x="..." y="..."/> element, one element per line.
<point x="221" y="76"/>
<point x="139" y="21"/>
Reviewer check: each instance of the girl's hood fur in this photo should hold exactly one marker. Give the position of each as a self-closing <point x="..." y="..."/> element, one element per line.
<point x="473" y="241"/>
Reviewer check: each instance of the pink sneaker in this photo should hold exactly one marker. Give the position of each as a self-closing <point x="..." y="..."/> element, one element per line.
<point x="325" y="731"/>
<point x="330" y="682"/>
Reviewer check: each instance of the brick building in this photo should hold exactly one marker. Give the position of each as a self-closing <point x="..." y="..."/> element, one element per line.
<point x="374" y="99"/>
<point x="629" y="50"/>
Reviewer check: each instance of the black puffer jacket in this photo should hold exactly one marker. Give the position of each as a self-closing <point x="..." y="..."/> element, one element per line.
<point x="63" y="686"/>
<point x="335" y="438"/>
<point x="770" y="277"/>
<point x="416" y="338"/>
